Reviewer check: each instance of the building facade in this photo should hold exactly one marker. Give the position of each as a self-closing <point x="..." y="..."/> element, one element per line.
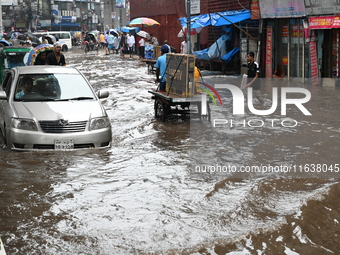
<point x="71" y="15"/>
<point x="304" y="38"/>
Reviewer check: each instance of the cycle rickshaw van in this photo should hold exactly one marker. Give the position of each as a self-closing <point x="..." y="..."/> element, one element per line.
<point x="12" y="56"/>
<point x="92" y="44"/>
<point x="34" y="53"/>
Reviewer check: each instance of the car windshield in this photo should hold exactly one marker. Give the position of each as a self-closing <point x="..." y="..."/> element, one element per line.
<point x="13" y="59"/>
<point x="52" y="87"/>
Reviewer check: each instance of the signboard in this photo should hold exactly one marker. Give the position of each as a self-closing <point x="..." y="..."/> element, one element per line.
<point x="269" y="52"/>
<point x="45" y="23"/>
<point x="195" y="7"/>
<point x="180" y="74"/>
<point x="9" y="2"/>
<point x="297" y="33"/>
<point x="324" y="22"/>
<point x="321" y="7"/>
<point x="282" y="8"/>
<point x="120" y="3"/>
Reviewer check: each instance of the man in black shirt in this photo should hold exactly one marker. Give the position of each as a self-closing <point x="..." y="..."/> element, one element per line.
<point x="56" y="57"/>
<point x="253" y="74"/>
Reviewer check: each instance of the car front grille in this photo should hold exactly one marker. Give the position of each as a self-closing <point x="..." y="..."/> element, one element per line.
<point x="58" y="127"/>
<point x="51" y="146"/>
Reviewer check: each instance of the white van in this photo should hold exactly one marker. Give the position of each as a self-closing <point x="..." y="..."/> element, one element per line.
<point x="64" y="38"/>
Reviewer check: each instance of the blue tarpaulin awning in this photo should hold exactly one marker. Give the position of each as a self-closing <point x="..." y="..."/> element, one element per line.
<point x="216" y="19"/>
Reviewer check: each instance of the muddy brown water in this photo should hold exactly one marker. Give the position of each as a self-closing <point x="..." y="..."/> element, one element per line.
<point x="146" y="195"/>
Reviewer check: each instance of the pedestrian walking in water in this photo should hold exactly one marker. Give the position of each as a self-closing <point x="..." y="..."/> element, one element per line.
<point x="253" y="74"/>
<point x="131" y="43"/>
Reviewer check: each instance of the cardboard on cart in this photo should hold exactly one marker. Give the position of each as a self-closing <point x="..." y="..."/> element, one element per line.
<point x="180" y="74"/>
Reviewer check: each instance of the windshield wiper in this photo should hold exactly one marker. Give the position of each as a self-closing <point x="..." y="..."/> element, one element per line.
<point x="74" y="98"/>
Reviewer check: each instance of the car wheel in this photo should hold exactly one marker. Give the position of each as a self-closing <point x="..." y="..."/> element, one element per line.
<point x="64" y="48"/>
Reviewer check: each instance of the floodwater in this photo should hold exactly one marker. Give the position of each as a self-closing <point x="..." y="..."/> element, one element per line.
<point x="155" y="192"/>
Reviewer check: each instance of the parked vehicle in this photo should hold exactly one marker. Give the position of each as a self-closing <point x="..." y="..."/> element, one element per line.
<point x="11" y="56"/>
<point x="58" y="111"/>
<point x="64" y="37"/>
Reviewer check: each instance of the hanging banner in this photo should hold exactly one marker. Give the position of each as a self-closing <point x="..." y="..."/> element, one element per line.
<point x="285" y="34"/>
<point x="324" y="22"/>
<point x="335" y="53"/>
<point x="314" y="63"/>
<point x="282" y="8"/>
<point x="255" y="9"/>
<point x="269" y="52"/>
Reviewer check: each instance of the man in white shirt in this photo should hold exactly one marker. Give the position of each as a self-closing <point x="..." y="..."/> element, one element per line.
<point x="184" y="47"/>
<point x="141" y="48"/>
<point x="131" y="43"/>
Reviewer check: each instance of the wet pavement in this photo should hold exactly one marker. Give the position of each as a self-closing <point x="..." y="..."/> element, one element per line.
<point x="149" y="193"/>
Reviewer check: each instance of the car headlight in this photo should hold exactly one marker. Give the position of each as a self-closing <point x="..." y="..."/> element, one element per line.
<point x="25" y="124"/>
<point x="98" y="123"/>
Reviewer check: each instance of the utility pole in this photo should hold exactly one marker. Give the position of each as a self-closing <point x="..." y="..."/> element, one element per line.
<point x="121" y="18"/>
<point x="188" y="27"/>
<point x="1" y="31"/>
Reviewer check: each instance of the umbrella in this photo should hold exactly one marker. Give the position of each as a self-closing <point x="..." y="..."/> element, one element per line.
<point x="112" y="30"/>
<point x="4" y="43"/>
<point x="147" y="22"/>
<point x="130" y="29"/>
<point x="35" y="40"/>
<point x="143" y="34"/>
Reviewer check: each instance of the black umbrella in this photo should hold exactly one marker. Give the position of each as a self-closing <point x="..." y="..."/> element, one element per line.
<point x="35" y="40"/>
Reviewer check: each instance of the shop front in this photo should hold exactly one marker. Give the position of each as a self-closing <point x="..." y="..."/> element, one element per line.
<point x="287" y="52"/>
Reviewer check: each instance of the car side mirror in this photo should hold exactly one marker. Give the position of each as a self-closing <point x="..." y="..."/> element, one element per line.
<point x="103" y="93"/>
<point x="3" y="95"/>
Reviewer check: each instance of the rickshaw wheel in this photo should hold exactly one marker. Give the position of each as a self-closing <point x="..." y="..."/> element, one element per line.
<point x="160" y="110"/>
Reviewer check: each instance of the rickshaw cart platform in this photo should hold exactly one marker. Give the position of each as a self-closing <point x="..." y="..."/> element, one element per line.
<point x="151" y="64"/>
<point x="169" y="104"/>
<point x="182" y="97"/>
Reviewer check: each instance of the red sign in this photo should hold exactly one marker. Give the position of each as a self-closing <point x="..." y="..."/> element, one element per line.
<point x="324" y="22"/>
<point x="255" y="9"/>
<point x="314" y="64"/>
<point x="269" y="52"/>
<point x="284" y="31"/>
<point x="284" y="60"/>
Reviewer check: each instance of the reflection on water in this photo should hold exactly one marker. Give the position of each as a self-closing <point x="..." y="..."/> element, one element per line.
<point x="143" y="195"/>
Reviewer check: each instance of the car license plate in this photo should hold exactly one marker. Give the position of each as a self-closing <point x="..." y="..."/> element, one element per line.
<point x="63" y="144"/>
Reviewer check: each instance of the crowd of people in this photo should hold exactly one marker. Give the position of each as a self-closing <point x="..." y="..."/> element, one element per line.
<point x="126" y="43"/>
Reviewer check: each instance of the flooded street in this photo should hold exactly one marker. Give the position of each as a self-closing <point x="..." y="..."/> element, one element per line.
<point x="152" y="192"/>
